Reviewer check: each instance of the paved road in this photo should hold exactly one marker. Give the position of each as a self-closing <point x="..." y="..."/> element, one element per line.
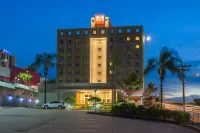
<point x="56" y="121"/>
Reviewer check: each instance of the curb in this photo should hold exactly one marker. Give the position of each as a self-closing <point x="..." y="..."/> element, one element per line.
<point x="186" y="125"/>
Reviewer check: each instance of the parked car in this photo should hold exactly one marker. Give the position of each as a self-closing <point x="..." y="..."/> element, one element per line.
<point x="54" y="104"/>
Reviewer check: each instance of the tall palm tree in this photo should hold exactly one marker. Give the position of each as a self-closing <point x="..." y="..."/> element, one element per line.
<point x="44" y="60"/>
<point x="167" y="60"/>
<point x="133" y="81"/>
<point x="115" y="63"/>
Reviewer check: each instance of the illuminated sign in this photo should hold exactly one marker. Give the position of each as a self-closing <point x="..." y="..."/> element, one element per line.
<point x="99" y="20"/>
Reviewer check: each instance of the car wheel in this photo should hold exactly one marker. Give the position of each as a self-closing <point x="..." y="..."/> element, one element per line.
<point x="46" y="107"/>
<point x="59" y="107"/>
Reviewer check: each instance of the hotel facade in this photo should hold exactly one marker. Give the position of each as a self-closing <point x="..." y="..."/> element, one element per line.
<point x="85" y="61"/>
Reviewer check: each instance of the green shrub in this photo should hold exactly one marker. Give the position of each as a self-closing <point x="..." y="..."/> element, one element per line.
<point x="121" y="101"/>
<point x="197" y="102"/>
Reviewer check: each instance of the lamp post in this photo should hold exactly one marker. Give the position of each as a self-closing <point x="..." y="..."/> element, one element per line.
<point x="95" y="92"/>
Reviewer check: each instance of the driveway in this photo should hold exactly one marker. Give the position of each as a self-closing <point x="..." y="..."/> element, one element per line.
<point x="19" y="120"/>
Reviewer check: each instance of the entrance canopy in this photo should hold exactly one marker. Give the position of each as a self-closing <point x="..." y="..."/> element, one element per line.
<point x="84" y="86"/>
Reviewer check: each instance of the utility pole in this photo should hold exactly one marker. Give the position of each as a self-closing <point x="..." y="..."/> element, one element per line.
<point x="183" y="68"/>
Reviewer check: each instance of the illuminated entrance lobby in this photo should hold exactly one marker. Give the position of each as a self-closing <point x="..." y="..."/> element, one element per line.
<point x="85" y="61"/>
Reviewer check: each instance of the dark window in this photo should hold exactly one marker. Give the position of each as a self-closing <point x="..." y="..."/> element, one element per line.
<point x="77" y="56"/>
<point x="69" y="72"/>
<point x="61" y="41"/>
<point x="60" y="81"/>
<point x="119" y="30"/>
<point x="69" y="33"/>
<point x="111" y="31"/>
<point x="78" y="33"/>
<point x="69" y="56"/>
<point x="129" y="46"/>
<point x="99" y="57"/>
<point x="137" y="30"/>
<point x="77" y="73"/>
<point x="92" y="20"/>
<point x="99" y="65"/>
<point x="68" y="80"/>
<point x="78" y="40"/>
<point x="129" y="63"/>
<point x="77" y="49"/>
<point x="128" y="30"/>
<point x="69" y="41"/>
<point x="69" y="64"/>
<point x="86" y="80"/>
<point x="77" y="80"/>
<point x="99" y="81"/>
<point x="99" y="49"/>
<point x="77" y="64"/>
<point x="137" y="62"/>
<point x="111" y="39"/>
<point x="119" y="38"/>
<point x="137" y="71"/>
<point x="136" y="55"/>
<point x="86" y="32"/>
<point x="129" y="55"/>
<point x="69" y="49"/>
<point x="99" y="73"/>
<point x="61" y="33"/>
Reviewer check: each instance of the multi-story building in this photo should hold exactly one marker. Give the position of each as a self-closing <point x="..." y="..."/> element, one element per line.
<point x="85" y="55"/>
<point x="6" y="59"/>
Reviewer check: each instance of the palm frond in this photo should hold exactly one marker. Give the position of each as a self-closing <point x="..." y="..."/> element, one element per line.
<point x="151" y="65"/>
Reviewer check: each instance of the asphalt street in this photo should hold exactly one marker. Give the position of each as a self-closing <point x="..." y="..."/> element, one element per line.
<point x="22" y="120"/>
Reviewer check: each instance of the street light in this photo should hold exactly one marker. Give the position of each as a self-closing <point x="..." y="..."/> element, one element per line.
<point x="36" y="101"/>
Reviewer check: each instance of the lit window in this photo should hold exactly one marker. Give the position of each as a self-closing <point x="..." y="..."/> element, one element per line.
<point x="99" y="57"/>
<point x="69" y="33"/>
<point x="103" y="31"/>
<point x="137" y="46"/>
<point x="110" y="72"/>
<point x="110" y="63"/>
<point x="137" y="38"/>
<point x="94" y="32"/>
<point x="128" y="38"/>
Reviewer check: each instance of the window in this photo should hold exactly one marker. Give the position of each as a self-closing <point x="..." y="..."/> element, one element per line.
<point x="129" y="54"/>
<point x="111" y="31"/>
<point x="77" y="64"/>
<point x="136" y="55"/>
<point x="61" y="33"/>
<point x="119" y="38"/>
<point x="103" y="31"/>
<point x="77" y="73"/>
<point x="69" y="41"/>
<point x="99" y="81"/>
<point x="111" y="46"/>
<point x="78" y="40"/>
<point x="69" y="33"/>
<point x="99" y="49"/>
<point x="137" y="46"/>
<point x="110" y="63"/>
<point x="129" y="63"/>
<point x="137" y="71"/>
<point x="69" y="56"/>
<point x="119" y="30"/>
<point x="61" y="41"/>
<point x="94" y="32"/>
<point x="68" y="80"/>
<point x="77" y="56"/>
<point x="111" y="39"/>
<point x="99" y="73"/>
<point x="128" y="38"/>
<point x="60" y="81"/>
<point x="77" y="49"/>
<point x="77" y="80"/>
<point x="129" y="46"/>
<point x="110" y="71"/>
<point x="137" y="30"/>
<point x="78" y="33"/>
<point x="69" y="64"/>
<point x="99" y="65"/>
<point x="61" y="72"/>
<point x="137" y="38"/>
<point x="69" y="72"/>
<point x="136" y="62"/>
<point x="128" y="30"/>
<point x="86" y="32"/>
<point x="99" y="57"/>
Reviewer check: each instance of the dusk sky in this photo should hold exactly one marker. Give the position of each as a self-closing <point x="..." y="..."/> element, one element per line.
<point x="28" y="27"/>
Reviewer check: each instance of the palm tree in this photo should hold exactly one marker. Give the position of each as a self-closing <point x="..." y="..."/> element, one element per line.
<point x="115" y="63"/>
<point x="167" y="60"/>
<point x="47" y="61"/>
<point x="133" y="81"/>
<point x="150" y="89"/>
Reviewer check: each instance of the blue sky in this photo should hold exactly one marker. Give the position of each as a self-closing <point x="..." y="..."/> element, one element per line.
<point x="28" y="27"/>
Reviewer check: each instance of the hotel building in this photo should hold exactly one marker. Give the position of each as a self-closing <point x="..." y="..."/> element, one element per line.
<point x="84" y="57"/>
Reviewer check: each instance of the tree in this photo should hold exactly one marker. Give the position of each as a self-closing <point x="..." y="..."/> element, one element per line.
<point x="46" y="61"/>
<point x="133" y="82"/>
<point x="114" y="64"/>
<point x="94" y="99"/>
<point x="70" y="100"/>
<point x="148" y="93"/>
<point x="167" y="60"/>
<point x="25" y="77"/>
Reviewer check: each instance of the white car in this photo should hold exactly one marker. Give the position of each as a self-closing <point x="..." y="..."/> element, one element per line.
<point x="54" y="104"/>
